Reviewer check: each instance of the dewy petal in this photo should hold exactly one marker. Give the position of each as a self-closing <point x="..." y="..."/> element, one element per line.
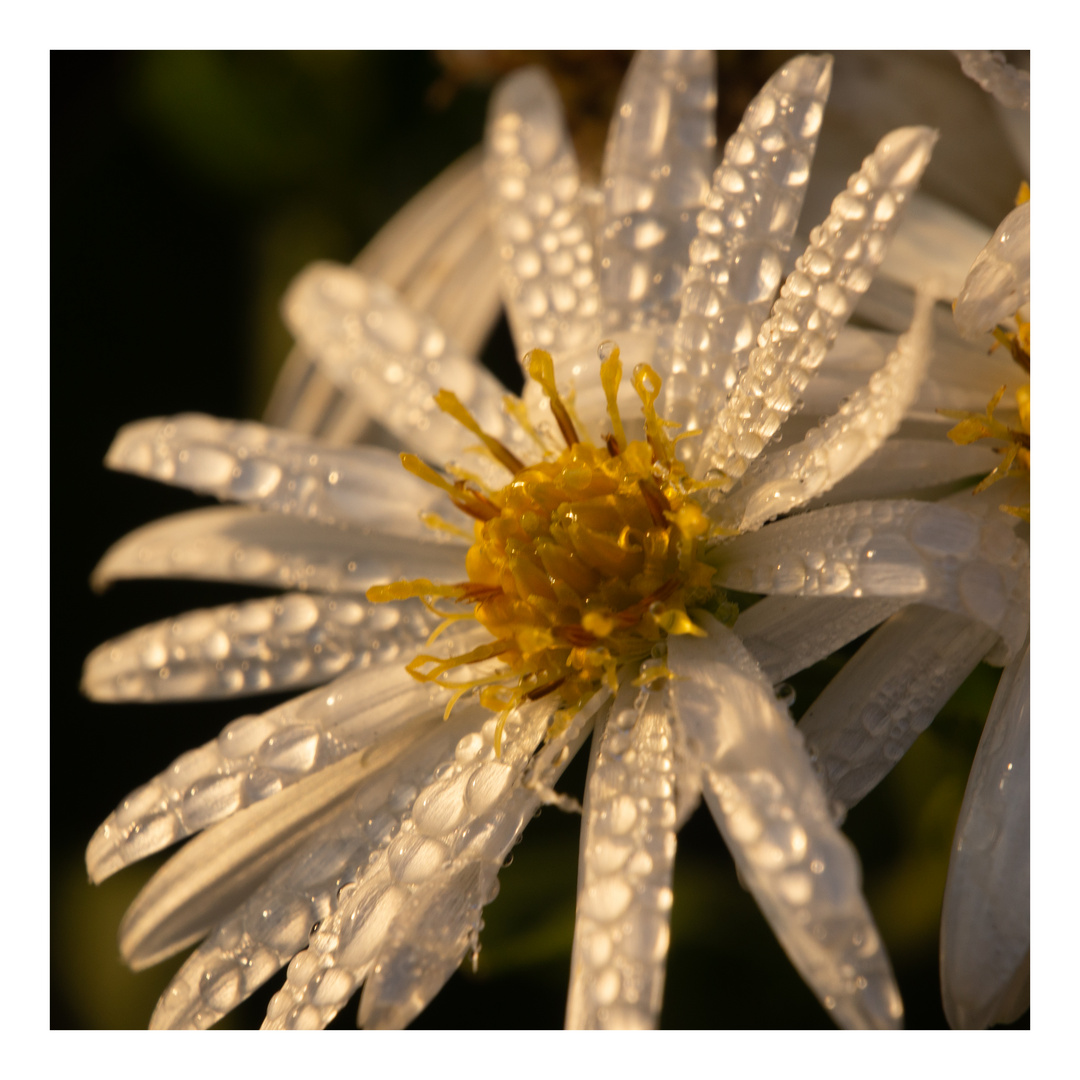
<point x="541" y="226"/>
<point x="257" y="756"/>
<point x="1010" y="85"/>
<point x="370" y="343"/>
<point x="275" y="921"/>
<point x="925" y="553"/>
<point x="842" y="443"/>
<point x="885" y="696"/>
<point x="816" y="300"/>
<point x="255" y="647"/>
<point x="763" y="793"/>
<point x="743" y="235"/>
<point x="227" y="543"/>
<point x="986" y="917"/>
<point x="441" y="921"/>
<point x="274" y="470"/>
<point x="657" y="164"/>
<point x="999" y="284"/>
<point x="470" y="812"/>
<point x="786" y="634"/>
<point x="622" y="928"/>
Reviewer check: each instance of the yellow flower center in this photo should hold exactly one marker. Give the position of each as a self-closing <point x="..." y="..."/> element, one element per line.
<point x="582" y="564"/>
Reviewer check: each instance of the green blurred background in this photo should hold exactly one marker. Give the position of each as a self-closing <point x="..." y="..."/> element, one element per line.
<point x="187" y="190"/>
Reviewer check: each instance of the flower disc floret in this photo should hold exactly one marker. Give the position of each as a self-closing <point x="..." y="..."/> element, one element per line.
<point x="582" y="564"/>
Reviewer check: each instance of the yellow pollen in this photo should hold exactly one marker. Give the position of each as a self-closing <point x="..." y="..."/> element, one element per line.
<point x="581" y="565"/>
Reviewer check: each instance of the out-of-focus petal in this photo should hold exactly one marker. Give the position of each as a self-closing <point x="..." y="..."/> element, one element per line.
<point x="743" y="236"/>
<point x="999" y="283"/>
<point x="885" y="696"/>
<point x="543" y="231"/>
<point x="1010" y="85"/>
<point x="762" y="791"/>
<point x="986" y="918"/>
<point x="228" y="543"/>
<point x="622" y="928"/>
<point x="815" y="301"/>
<point x="924" y="553"/>
<point x="255" y="647"/>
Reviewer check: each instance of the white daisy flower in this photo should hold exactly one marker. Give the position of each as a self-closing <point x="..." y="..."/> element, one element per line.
<point x="571" y="576"/>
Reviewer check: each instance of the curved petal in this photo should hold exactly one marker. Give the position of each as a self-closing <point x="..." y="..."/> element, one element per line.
<point x="842" y="443"/>
<point x="768" y="804"/>
<point x="228" y="543"/>
<point x="245" y="462"/>
<point x="925" y="553"/>
<point x="986" y="918"/>
<point x="816" y="300"/>
<point x="622" y="927"/>
<point x="256" y="757"/>
<point x="885" y="696"/>
<point x="256" y="647"/>
<point x="743" y="236"/>
<point x="540" y="222"/>
<point x="659" y="157"/>
<point x="1010" y="85"/>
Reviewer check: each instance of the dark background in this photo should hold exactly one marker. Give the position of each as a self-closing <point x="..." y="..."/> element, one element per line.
<point x="187" y="190"/>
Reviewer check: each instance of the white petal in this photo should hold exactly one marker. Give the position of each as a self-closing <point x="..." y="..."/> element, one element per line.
<point x="986" y="918"/>
<point x="274" y="922"/>
<point x="370" y="343"/>
<point x="926" y="553"/>
<point x="762" y="791"/>
<point x="885" y="696"/>
<point x="256" y="757"/>
<point x="743" y="236"/>
<point x="226" y="543"/>
<point x="545" y="238"/>
<point x="274" y="470"/>
<point x="999" y="284"/>
<point x="258" y="646"/>
<point x="657" y="164"/>
<point x="1010" y="85"/>
<point x="622" y="927"/>
<point x="786" y="634"/>
<point x="842" y="443"/>
<point x="816" y="300"/>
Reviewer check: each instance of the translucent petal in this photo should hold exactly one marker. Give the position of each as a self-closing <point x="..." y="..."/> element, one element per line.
<point x="986" y="918"/>
<point x="544" y="235"/>
<point x="257" y="756"/>
<point x="1010" y="85"/>
<point x="787" y="634"/>
<point x="926" y="553"/>
<point x="370" y="343"/>
<point x="765" y="797"/>
<point x="226" y="543"/>
<point x="743" y="234"/>
<point x="659" y="157"/>
<point x="274" y="470"/>
<point x="259" y="646"/>
<point x="816" y="300"/>
<point x="999" y="283"/>
<point x="839" y="445"/>
<point x="275" y="921"/>
<point x="622" y="927"/>
<point x="885" y="696"/>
